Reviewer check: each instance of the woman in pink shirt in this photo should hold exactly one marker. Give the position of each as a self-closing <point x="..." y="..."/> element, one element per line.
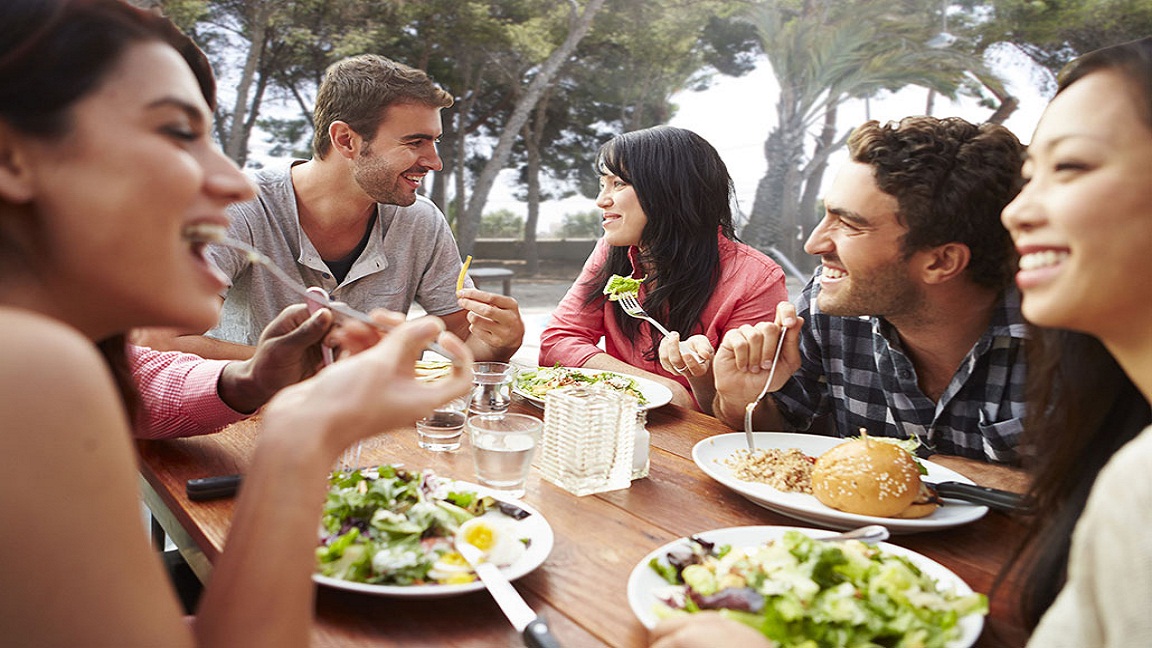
<point x="667" y="202"/>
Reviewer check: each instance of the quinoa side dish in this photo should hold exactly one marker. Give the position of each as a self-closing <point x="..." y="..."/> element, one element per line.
<point x="785" y="470"/>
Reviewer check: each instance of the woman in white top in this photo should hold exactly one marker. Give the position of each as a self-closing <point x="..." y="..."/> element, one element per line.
<point x="106" y="160"/>
<point x="1083" y="227"/>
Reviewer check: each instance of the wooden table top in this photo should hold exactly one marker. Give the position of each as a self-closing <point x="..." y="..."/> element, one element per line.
<point x="581" y="587"/>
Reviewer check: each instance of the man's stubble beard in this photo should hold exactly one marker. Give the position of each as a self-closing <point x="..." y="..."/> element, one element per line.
<point x="887" y="293"/>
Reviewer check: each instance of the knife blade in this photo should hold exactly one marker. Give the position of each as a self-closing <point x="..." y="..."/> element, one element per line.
<point x="532" y="626"/>
<point x="993" y="498"/>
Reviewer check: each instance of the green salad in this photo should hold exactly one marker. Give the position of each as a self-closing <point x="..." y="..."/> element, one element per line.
<point x="799" y="591"/>
<point x="537" y="383"/>
<point x="389" y="526"/>
<point x="618" y="285"/>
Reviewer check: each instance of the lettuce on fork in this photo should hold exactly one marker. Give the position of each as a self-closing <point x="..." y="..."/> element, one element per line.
<point x="618" y="286"/>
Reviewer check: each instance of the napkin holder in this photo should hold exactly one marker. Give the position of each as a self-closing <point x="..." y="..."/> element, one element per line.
<point x="590" y="440"/>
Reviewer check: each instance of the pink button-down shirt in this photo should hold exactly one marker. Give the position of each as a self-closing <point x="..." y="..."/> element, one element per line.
<point x="750" y="286"/>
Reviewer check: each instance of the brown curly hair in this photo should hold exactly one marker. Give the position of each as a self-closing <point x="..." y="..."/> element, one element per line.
<point x="951" y="179"/>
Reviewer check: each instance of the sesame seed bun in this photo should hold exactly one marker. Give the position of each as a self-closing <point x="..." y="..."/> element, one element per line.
<point x="866" y="477"/>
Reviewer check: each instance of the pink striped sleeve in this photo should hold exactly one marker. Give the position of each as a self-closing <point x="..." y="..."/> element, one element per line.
<point x="178" y="394"/>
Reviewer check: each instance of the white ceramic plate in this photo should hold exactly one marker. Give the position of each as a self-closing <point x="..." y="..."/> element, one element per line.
<point x="710" y="455"/>
<point x="534" y="527"/>
<point x="644" y="584"/>
<point x="657" y="395"/>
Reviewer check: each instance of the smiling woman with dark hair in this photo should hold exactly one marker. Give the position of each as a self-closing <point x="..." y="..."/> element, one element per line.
<point x="1083" y="228"/>
<point x="666" y="198"/>
<point x="106" y="164"/>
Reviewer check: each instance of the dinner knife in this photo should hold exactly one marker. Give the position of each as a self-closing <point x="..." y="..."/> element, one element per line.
<point x="524" y="619"/>
<point x="993" y="498"/>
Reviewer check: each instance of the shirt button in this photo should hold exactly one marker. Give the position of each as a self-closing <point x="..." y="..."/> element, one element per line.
<point x="905" y="374"/>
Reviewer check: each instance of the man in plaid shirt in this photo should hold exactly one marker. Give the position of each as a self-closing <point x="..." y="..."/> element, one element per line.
<point x="911" y="327"/>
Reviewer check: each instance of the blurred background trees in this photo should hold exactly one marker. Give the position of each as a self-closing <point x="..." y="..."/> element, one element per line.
<point x="540" y="84"/>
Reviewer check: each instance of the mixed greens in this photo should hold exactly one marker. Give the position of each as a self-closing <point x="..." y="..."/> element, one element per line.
<point x="803" y="592"/>
<point x="618" y="285"/>
<point x="389" y="526"/>
<point x="537" y="383"/>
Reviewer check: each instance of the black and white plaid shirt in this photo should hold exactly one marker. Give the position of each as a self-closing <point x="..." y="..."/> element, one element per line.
<point x="855" y="369"/>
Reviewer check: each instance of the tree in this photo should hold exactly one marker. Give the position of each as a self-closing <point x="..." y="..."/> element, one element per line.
<point x="277" y="43"/>
<point x="659" y="46"/>
<point x="586" y="224"/>
<point x="1053" y="32"/>
<point x="579" y="22"/>
<point x="502" y="223"/>
<point x="824" y="53"/>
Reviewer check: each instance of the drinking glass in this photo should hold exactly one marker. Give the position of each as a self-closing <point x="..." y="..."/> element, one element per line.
<point x="441" y="430"/>
<point x="491" y="388"/>
<point x="502" y="450"/>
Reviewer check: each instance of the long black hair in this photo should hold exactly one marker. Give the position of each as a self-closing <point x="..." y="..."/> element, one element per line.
<point x="686" y="193"/>
<point x="1082" y="407"/>
<point x="54" y="53"/>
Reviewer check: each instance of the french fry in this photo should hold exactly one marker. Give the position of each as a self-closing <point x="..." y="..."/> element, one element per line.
<point x="463" y="273"/>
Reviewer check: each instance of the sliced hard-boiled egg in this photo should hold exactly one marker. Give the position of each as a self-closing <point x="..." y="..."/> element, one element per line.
<point x="494" y="536"/>
<point x="451" y="569"/>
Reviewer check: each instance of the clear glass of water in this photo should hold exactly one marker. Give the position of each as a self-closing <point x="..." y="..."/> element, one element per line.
<point x="491" y="388"/>
<point x="502" y="450"/>
<point x="441" y="430"/>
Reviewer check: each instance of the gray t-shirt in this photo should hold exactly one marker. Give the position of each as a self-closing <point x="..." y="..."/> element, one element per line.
<point x="411" y="256"/>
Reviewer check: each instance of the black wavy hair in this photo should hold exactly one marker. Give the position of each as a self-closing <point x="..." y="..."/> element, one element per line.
<point x="687" y="194"/>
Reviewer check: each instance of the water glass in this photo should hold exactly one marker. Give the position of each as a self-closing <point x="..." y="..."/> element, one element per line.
<point x="491" y="388"/>
<point x="502" y="450"/>
<point x="441" y="430"/>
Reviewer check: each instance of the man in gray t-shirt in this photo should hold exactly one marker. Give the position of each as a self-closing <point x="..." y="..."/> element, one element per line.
<point x="409" y="255"/>
<point x="350" y="221"/>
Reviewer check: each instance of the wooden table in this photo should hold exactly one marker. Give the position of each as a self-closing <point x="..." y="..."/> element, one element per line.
<point x="599" y="539"/>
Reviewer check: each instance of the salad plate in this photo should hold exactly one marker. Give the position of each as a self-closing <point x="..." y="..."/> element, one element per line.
<point x="528" y="384"/>
<point x="647" y="588"/>
<point x="533" y="529"/>
<point x="711" y="455"/>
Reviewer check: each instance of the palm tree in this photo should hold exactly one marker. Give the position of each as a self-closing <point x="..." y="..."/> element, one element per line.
<point x="823" y="53"/>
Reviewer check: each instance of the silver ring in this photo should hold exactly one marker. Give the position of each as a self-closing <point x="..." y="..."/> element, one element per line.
<point x="680" y="370"/>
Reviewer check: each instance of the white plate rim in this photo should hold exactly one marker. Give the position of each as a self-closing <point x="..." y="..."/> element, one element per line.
<point x="642" y="581"/>
<point x="806" y="507"/>
<point x="658" y="395"/>
<point x="534" y="527"/>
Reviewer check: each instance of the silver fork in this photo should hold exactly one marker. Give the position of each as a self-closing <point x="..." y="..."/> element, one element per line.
<point x="763" y="392"/>
<point x="631" y="305"/>
<point x="319" y="299"/>
<point x="218" y="236"/>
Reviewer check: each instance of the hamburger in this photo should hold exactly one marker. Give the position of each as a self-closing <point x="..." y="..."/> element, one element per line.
<point x="870" y="477"/>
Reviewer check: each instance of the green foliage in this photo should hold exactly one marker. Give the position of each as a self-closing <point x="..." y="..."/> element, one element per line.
<point x="502" y="223"/>
<point x="289" y="137"/>
<point x="578" y="225"/>
<point x="1053" y="32"/>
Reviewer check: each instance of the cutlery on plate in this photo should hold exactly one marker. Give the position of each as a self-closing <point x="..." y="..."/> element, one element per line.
<point x="524" y="619"/>
<point x="995" y="499"/>
<point x="630" y="303"/>
<point x="763" y="392"/>
<point x="216" y="235"/>
<point x="870" y="534"/>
